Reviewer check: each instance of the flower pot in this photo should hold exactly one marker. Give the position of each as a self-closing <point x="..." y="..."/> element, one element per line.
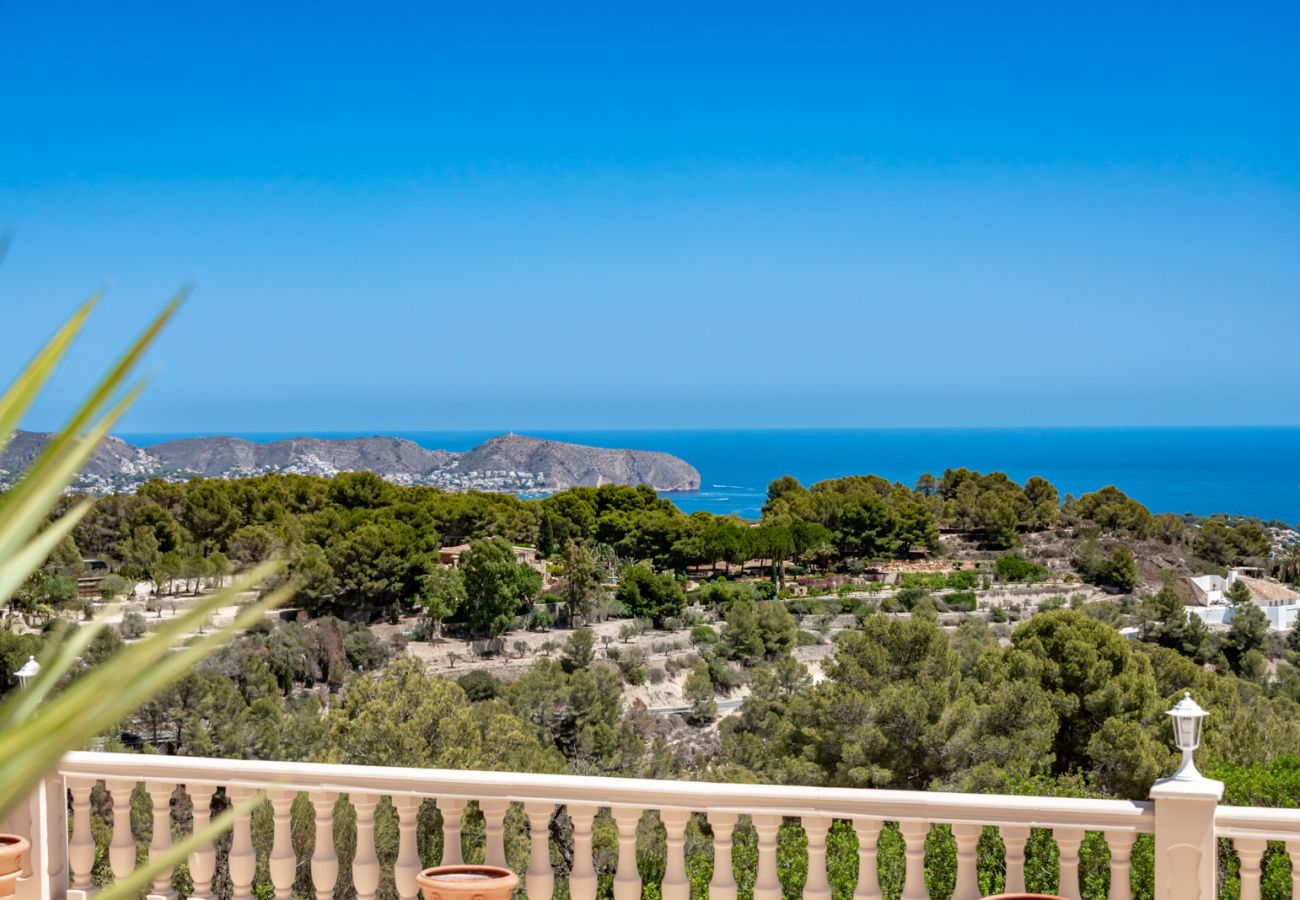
<point x="12" y="850"/>
<point x="1024" y="897"/>
<point x="467" y="883"/>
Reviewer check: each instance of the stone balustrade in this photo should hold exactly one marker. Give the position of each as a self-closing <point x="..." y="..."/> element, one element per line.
<point x="1184" y="818"/>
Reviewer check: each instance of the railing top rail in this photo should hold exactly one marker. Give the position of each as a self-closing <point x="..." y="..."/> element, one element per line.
<point x="1257" y="822"/>
<point x="933" y="806"/>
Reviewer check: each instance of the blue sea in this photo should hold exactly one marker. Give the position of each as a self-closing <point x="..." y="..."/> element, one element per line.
<point x="1245" y="471"/>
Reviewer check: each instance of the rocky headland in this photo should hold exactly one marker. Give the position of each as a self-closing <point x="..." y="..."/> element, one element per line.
<point x="509" y="463"/>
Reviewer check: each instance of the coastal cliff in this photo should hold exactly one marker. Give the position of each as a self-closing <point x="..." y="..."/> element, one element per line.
<point x="511" y="463"/>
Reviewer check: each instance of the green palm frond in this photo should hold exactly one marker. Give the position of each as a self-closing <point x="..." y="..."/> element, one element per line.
<point x="64" y="707"/>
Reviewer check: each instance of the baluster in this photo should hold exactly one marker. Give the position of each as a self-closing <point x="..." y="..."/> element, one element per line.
<point x="868" y="832"/>
<point x="914" y="835"/>
<point x="1293" y="849"/>
<point x="967" y="837"/>
<point x="1068" y="841"/>
<point x="81" y="846"/>
<point x="160" y="798"/>
<point x="203" y="862"/>
<point x="582" y="878"/>
<point x="365" y="864"/>
<point x="675" y="884"/>
<point x="1294" y="852"/>
<point x="1121" y="856"/>
<point x="767" y="886"/>
<point x="242" y="861"/>
<point x="121" y="850"/>
<point x="324" y="864"/>
<point x="452" y="808"/>
<point x="1249" y="852"/>
<point x="282" y="863"/>
<point x="1014" y="838"/>
<point x="817" y="887"/>
<point x="627" y="880"/>
<point x="408" y="857"/>
<point x="540" y="881"/>
<point x="722" y="886"/>
<point x="494" y="816"/>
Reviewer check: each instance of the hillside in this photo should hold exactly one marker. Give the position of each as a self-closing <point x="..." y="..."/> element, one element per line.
<point x="506" y="463"/>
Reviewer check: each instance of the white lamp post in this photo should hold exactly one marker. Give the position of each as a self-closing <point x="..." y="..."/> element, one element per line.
<point x="1187" y="716"/>
<point x="30" y="670"/>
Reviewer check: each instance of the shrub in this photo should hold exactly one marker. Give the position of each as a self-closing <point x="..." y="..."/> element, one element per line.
<point x="1014" y="567"/>
<point x="698" y="692"/>
<point x="961" y="600"/>
<point x="133" y="625"/>
<point x="656" y="674"/>
<point x="807" y="639"/>
<point x="480" y="685"/>
<point x="965" y="581"/>
<point x="632" y="663"/>
<point x="703" y="635"/>
<point x="542" y="619"/>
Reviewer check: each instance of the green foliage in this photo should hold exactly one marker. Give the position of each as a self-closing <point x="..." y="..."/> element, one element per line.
<point x="1014" y="567"/>
<point x="580" y="582"/>
<point x="442" y="595"/>
<point x="698" y="693"/>
<point x="480" y="685"/>
<point x="756" y="631"/>
<point x="1248" y="633"/>
<point x="495" y="585"/>
<point x="647" y="595"/>
<point x="579" y="650"/>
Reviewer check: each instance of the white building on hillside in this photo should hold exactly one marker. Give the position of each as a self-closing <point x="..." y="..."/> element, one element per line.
<point x="1206" y="598"/>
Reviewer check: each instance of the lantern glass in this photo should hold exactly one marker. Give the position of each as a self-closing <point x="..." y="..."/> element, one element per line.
<point x="1189" y="732"/>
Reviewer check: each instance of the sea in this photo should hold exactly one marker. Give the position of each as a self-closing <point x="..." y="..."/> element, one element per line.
<point x="1239" y="471"/>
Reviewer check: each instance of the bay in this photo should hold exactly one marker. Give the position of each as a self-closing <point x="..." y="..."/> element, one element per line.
<point x="1241" y="471"/>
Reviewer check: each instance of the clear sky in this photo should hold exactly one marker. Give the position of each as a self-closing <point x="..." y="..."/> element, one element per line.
<point x="567" y="215"/>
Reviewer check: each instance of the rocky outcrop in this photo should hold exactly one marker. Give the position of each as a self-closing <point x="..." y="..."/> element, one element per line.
<point x="569" y="465"/>
<point x="511" y="462"/>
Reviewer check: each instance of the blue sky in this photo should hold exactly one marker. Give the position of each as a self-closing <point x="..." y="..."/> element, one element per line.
<point x="434" y="216"/>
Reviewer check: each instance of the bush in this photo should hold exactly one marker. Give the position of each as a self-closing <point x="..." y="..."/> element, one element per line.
<point x="632" y="663"/>
<point x="542" y="619"/>
<point x="723" y="677"/>
<point x="656" y="675"/>
<point x="997" y="614"/>
<point x="1014" y="567"/>
<point x="133" y="625"/>
<point x="961" y="600"/>
<point x="480" y="685"/>
<point x="703" y="635"/>
<point x="908" y="597"/>
<point x="808" y="639"/>
<point x="962" y="581"/>
<point x="363" y="649"/>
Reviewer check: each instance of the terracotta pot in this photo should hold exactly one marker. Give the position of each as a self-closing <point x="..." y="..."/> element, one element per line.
<point x="13" y="848"/>
<point x="467" y="883"/>
<point x="1024" y="897"/>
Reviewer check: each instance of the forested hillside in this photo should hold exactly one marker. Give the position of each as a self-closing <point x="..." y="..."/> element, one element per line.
<point x="925" y="682"/>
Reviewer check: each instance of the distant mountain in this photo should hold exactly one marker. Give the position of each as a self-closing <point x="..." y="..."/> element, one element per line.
<point x="509" y="463"/>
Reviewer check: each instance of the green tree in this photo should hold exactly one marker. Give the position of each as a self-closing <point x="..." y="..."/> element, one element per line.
<point x="442" y="596"/>
<point x="208" y="513"/>
<point x="579" y="650"/>
<point x="379" y="565"/>
<point x="496" y="586"/>
<point x="647" y="595"/>
<point x="698" y="693"/>
<point x="1249" y="631"/>
<point x="580" y="582"/>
